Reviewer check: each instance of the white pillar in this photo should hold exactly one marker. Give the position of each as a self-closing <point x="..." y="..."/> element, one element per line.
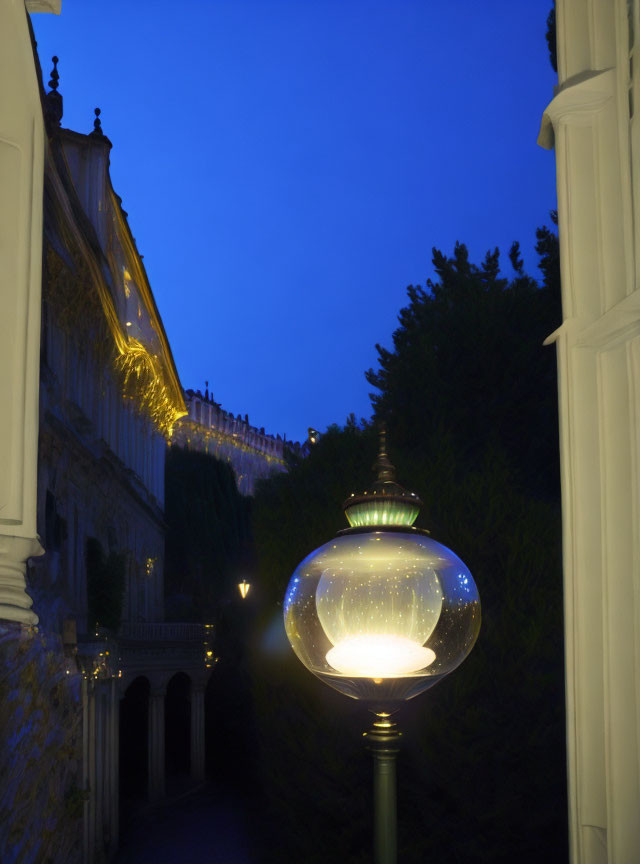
<point x="91" y="772"/>
<point x="22" y="143"/>
<point x="85" y="769"/>
<point x="114" y="798"/>
<point x="197" y="732"/>
<point x="100" y="773"/>
<point x="15" y="603"/>
<point x="156" y="745"/>
<point x="593" y="124"/>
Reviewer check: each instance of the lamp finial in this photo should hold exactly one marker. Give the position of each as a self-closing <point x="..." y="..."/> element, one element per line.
<point x="385" y="470"/>
<point x="385" y="502"/>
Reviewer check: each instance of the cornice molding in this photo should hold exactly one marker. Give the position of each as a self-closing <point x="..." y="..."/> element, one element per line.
<point x="171" y="380"/>
<point x="51" y="6"/>
<point x="619" y="324"/>
<point x="152" y="382"/>
<point x="576" y="102"/>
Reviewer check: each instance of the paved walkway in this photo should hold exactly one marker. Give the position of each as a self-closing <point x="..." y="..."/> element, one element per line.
<point x="204" y="827"/>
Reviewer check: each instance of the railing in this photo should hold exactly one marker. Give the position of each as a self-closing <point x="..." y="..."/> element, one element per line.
<point x="168" y="631"/>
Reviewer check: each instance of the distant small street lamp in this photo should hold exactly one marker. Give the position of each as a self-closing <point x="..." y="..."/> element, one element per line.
<point x="243" y="588"/>
<point x="382" y="613"/>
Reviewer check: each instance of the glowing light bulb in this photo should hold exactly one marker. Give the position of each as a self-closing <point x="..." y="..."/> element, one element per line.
<point x="379" y="656"/>
<point x="379" y="611"/>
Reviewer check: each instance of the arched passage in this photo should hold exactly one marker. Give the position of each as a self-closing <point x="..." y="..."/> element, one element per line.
<point x="177" y="709"/>
<point x="134" y="741"/>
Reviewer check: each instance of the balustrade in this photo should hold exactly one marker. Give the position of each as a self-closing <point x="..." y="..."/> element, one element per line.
<point x="162" y="631"/>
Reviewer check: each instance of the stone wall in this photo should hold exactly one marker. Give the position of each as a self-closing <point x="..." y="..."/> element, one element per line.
<point x="208" y="428"/>
<point x="41" y="794"/>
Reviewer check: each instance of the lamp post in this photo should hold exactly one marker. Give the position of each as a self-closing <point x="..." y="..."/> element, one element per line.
<point x="381" y="613"/>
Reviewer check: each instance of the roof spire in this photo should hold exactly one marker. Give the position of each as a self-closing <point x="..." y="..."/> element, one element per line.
<point x="98" y="135"/>
<point x="55" y="76"/>
<point x="54" y="99"/>
<point x="97" y="125"/>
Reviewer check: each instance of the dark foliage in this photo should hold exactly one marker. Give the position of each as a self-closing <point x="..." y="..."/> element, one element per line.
<point x="551" y="38"/>
<point x="468" y="359"/>
<point x="469" y="396"/>
<point x="207" y="536"/>
<point x="105" y="586"/>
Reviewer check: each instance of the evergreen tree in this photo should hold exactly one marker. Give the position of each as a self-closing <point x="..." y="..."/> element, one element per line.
<point x="207" y="536"/>
<point x="468" y="359"/>
<point x="469" y="396"/>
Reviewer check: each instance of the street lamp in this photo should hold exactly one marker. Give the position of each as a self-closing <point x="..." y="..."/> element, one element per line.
<point x="381" y="613"/>
<point x="243" y="588"/>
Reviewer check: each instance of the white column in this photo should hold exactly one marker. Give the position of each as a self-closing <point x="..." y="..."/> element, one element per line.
<point x="85" y="769"/>
<point x="99" y="776"/>
<point x="15" y="603"/>
<point x="156" y="745"/>
<point x="114" y="735"/>
<point x="91" y="773"/>
<point x="197" y="732"/>
<point x="22" y="143"/>
<point x="598" y="348"/>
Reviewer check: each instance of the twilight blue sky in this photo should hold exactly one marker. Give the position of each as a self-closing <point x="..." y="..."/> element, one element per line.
<point x="287" y="166"/>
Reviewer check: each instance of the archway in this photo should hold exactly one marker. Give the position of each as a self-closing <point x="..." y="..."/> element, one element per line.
<point x="134" y="742"/>
<point x="177" y="714"/>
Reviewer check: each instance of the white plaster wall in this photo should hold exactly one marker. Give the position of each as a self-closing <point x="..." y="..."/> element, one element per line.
<point x="590" y="122"/>
<point x="22" y="143"/>
<point x="21" y="179"/>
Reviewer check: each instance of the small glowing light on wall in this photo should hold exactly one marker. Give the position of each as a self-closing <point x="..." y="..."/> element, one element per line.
<point x="209" y="658"/>
<point x="243" y="587"/>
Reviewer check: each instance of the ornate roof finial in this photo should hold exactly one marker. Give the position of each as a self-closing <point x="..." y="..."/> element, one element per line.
<point x="99" y="135"/>
<point x="53" y="98"/>
<point x="55" y="77"/>
<point x="97" y="125"/>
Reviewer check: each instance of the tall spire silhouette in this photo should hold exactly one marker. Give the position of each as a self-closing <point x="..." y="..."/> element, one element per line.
<point x="53" y="98"/>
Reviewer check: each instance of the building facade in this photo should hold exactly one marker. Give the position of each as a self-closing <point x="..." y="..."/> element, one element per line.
<point x="88" y="682"/>
<point x="593" y="122"/>
<point x="251" y="452"/>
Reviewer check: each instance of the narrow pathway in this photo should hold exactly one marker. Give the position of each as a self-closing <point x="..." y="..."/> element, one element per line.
<point x="205" y="827"/>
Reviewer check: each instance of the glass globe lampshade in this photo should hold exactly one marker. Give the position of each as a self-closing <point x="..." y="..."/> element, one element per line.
<point x="382" y="612"/>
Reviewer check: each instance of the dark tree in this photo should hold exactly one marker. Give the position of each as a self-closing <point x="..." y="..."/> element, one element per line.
<point x="105" y="586"/>
<point x="551" y="38"/>
<point x="469" y="396"/>
<point x="207" y="539"/>
<point x="468" y="359"/>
